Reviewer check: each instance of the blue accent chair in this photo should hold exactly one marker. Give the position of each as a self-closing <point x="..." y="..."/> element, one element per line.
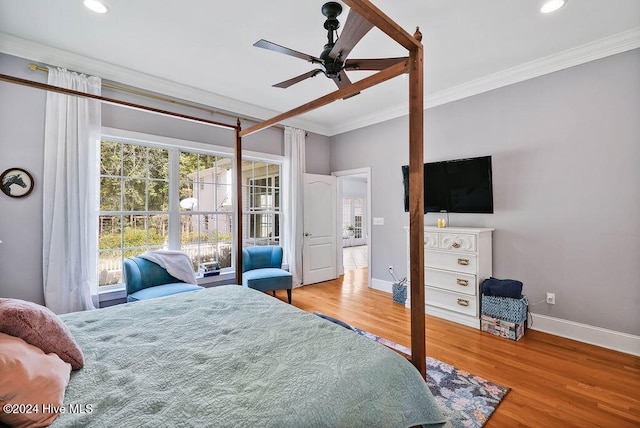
<point x="147" y="280"/>
<point x="261" y="267"/>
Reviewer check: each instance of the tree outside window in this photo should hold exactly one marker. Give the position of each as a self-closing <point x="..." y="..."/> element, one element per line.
<point x="138" y="215"/>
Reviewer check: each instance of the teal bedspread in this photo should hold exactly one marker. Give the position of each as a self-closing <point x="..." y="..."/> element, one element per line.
<point x="230" y="356"/>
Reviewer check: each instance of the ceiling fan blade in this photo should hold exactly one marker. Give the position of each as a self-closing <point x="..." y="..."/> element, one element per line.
<point x="343" y="82"/>
<point x="354" y="29"/>
<point x="297" y="79"/>
<point x="265" y="44"/>
<point x="372" y="64"/>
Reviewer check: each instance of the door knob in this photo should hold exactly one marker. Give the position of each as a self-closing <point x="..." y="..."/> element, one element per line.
<point x="307" y="234"/>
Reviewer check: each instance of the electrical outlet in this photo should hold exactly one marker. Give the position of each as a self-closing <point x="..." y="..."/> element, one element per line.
<point x="551" y="298"/>
<point x="390" y="269"/>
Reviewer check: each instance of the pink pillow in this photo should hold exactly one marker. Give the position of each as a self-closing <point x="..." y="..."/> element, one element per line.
<point x="30" y="378"/>
<point x="39" y="326"/>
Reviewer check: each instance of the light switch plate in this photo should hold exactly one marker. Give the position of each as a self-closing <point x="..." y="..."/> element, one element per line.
<point x="378" y="221"/>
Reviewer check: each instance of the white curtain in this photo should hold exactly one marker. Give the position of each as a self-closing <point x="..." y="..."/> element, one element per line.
<point x="294" y="168"/>
<point x="70" y="194"/>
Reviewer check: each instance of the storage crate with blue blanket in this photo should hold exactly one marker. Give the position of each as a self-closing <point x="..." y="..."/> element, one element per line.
<point x="504" y="308"/>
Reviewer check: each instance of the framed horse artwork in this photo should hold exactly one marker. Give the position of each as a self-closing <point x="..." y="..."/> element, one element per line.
<point x="16" y="182"/>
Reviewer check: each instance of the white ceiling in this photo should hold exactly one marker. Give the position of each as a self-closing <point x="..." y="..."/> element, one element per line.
<point x="175" y="46"/>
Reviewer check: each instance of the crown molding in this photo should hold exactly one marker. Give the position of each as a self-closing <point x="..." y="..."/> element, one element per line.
<point x="615" y="44"/>
<point x="393" y="112"/>
<point x="60" y="58"/>
<point x="582" y="54"/>
<point x="592" y="51"/>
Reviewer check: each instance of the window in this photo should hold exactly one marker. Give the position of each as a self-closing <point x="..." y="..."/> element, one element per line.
<point x="346" y="216"/>
<point x="358" y="211"/>
<point x="206" y="211"/>
<point x="159" y="197"/>
<point x="261" y="198"/>
<point x="134" y="205"/>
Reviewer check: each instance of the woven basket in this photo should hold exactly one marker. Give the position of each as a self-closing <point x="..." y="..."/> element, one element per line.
<point x="399" y="293"/>
<point x="505" y="308"/>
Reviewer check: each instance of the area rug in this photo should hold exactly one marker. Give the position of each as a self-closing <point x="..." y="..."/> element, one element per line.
<point x="466" y="400"/>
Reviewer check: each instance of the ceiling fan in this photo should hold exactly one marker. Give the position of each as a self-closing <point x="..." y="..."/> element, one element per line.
<point x="333" y="61"/>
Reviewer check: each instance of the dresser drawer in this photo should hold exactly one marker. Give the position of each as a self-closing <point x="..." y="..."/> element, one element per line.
<point x="457" y="242"/>
<point x="431" y="240"/>
<point x="453" y="281"/>
<point x="456" y="302"/>
<point x="450" y="261"/>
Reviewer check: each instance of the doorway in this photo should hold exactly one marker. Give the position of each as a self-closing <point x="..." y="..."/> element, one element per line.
<point x="354" y="225"/>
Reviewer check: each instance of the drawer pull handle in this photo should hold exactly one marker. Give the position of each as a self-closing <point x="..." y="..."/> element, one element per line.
<point x="463" y="302"/>
<point x="455" y="245"/>
<point x="463" y="282"/>
<point x="463" y="262"/>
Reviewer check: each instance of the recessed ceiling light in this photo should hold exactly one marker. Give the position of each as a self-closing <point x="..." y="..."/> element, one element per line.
<point x="96" y="6"/>
<point x="552" y="5"/>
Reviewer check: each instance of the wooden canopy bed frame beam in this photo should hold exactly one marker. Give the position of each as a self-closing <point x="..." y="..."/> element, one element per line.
<point x="387" y="25"/>
<point x="381" y="76"/>
<point x="415" y="68"/>
<point x="107" y="100"/>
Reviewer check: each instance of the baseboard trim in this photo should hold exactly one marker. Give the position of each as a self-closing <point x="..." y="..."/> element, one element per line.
<point x="382" y="285"/>
<point x="610" y="339"/>
<point x="602" y="337"/>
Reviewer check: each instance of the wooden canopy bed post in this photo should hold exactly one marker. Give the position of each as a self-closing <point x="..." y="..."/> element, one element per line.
<point x="238" y="216"/>
<point x="414" y="65"/>
<point x="416" y="207"/>
<point x="416" y="159"/>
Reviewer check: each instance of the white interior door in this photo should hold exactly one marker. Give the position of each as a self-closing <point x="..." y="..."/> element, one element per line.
<point x="319" y="249"/>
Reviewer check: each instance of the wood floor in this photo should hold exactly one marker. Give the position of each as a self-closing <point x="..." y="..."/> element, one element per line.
<point x="555" y="382"/>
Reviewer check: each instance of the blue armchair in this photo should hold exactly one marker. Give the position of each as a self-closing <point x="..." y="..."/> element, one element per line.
<point x="145" y="279"/>
<point x="261" y="267"/>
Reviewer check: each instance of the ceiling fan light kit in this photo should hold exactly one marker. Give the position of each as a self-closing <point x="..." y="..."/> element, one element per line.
<point x="332" y="61"/>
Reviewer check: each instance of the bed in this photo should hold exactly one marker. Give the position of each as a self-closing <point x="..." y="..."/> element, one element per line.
<point x="230" y="356"/>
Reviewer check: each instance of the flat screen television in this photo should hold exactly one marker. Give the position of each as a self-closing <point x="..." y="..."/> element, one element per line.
<point x="456" y="186"/>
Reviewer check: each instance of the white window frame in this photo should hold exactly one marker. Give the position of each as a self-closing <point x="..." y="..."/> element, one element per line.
<point x="117" y="291"/>
<point x="251" y="185"/>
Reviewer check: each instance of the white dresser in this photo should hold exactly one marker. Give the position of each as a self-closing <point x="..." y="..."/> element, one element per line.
<point x="456" y="261"/>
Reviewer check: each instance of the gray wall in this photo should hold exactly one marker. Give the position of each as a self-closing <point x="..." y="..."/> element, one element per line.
<point x="270" y="140"/>
<point x="21" y="145"/>
<point x="317" y="150"/>
<point x="21" y="136"/>
<point x="566" y="156"/>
